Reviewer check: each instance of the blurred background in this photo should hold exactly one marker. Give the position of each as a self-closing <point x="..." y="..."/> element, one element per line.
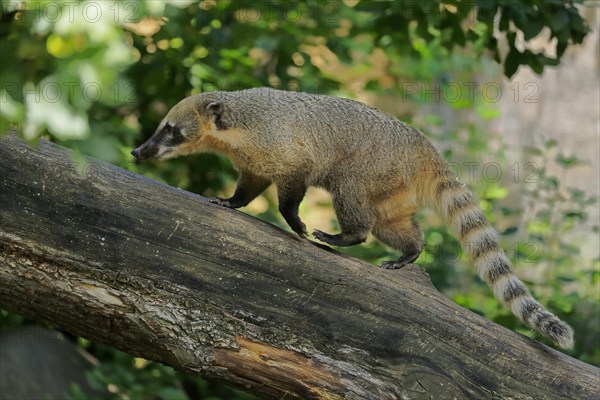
<point x="507" y="90"/>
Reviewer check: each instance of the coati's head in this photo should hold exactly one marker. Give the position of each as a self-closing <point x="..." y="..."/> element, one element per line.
<point x="184" y="130"/>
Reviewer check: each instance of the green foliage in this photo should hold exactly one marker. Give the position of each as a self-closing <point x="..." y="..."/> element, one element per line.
<point x="391" y="22"/>
<point x="128" y="377"/>
<point x="555" y="212"/>
<point x="72" y="63"/>
<point x="78" y="60"/>
<point x="99" y="76"/>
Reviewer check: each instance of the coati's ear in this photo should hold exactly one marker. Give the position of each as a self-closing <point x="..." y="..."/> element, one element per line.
<point x="215" y="108"/>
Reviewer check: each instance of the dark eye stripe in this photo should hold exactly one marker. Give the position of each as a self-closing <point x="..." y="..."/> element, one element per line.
<point x="176" y="137"/>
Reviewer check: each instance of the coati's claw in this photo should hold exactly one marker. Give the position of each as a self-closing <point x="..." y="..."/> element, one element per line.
<point x="322" y="236"/>
<point x="401" y="262"/>
<point x="392" y="265"/>
<point x="221" y="202"/>
<point x="300" y="229"/>
<point x="302" y="234"/>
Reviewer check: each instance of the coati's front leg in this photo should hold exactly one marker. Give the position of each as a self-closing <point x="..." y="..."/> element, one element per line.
<point x="355" y="221"/>
<point x="249" y="186"/>
<point x="290" y="195"/>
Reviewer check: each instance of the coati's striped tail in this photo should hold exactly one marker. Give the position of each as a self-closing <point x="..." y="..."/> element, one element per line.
<point x="480" y="242"/>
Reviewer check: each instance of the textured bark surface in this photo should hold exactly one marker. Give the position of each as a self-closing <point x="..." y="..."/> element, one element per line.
<point x="163" y="274"/>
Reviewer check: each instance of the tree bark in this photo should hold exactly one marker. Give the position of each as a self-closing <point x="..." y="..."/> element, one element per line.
<point x="160" y="273"/>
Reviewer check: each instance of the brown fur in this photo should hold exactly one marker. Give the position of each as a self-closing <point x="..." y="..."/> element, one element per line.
<point x="379" y="171"/>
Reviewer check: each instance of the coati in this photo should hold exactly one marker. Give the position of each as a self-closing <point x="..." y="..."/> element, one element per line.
<point x="379" y="171"/>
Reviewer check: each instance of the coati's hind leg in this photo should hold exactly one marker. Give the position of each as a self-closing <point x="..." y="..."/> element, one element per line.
<point x="355" y="221"/>
<point x="249" y="186"/>
<point x="401" y="233"/>
<point x="290" y="195"/>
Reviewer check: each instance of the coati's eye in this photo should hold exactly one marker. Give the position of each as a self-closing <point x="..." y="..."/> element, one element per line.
<point x="176" y="136"/>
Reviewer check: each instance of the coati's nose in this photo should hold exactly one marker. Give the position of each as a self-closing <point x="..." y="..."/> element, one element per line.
<point x="135" y="152"/>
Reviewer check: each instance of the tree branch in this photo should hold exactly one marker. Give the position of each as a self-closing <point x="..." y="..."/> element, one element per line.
<point x="162" y="274"/>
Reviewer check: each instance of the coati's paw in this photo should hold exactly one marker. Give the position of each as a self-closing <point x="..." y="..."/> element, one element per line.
<point x="303" y="234"/>
<point x="323" y="237"/>
<point x="221" y="202"/>
<point x="392" y="264"/>
<point x="341" y="239"/>
<point x="300" y="229"/>
<point x="401" y="262"/>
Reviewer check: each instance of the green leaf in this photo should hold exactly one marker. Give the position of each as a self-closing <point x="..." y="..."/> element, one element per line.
<point x="517" y="13"/>
<point x="561" y="46"/>
<point x="578" y="24"/>
<point x="559" y="20"/>
<point x="532" y="28"/>
<point x="503" y="26"/>
<point x="562" y="35"/>
<point x="536" y="66"/>
<point x="512" y="62"/>
<point x="547" y="60"/>
<point x="567" y="161"/>
<point x="512" y="38"/>
<point x="497" y="55"/>
<point x="576" y="214"/>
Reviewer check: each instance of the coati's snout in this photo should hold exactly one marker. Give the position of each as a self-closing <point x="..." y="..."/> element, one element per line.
<point x="164" y="144"/>
<point x="183" y="130"/>
<point x="146" y="150"/>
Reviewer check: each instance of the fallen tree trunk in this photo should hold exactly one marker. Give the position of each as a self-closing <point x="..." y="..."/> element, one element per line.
<point x="162" y="274"/>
